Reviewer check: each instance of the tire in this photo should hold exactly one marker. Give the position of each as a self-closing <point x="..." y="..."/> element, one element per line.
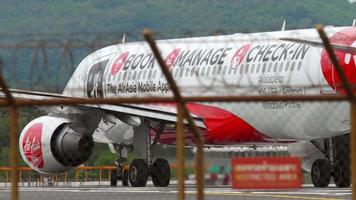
<point x="321" y="172"/>
<point x="113" y="178"/>
<point x="161" y="173"/>
<point x="138" y="173"/>
<point x="125" y="177"/>
<point x="342" y="175"/>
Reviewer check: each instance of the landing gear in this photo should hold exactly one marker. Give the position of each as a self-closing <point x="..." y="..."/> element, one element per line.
<point x="321" y="173"/>
<point x="342" y="176"/>
<point x="113" y="178"/>
<point x="140" y="169"/>
<point x="161" y="173"/>
<point x="336" y="164"/>
<point x="120" y="173"/>
<point x="341" y="168"/>
<point x="125" y="177"/>
<point x="138" y="173"/>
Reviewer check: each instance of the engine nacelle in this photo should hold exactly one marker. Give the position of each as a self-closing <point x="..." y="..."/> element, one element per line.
<point x="49" y="145"/>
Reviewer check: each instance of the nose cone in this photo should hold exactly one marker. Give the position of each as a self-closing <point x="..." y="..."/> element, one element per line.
<point x="346" y="60"/>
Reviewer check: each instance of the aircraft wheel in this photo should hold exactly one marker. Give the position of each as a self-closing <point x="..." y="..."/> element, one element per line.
<point x="342" y="174"/>
<point x="125" y="177"/>
<point x="138" y="173"/>
<point x="161" y="173"/>
<point x="113" y="178"/>
<point x="321" y="172"/>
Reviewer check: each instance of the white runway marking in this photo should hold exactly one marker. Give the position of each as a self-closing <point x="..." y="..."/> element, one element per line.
<point x="303" y="191"/>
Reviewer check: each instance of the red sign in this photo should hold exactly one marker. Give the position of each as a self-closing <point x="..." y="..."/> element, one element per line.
<point x="266" y="173"/>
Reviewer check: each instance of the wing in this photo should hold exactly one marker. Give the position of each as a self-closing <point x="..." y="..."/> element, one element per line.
<point x="162" y="112"/>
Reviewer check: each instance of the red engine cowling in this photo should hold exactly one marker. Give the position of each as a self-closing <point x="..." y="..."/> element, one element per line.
<point x="49" y="145"/>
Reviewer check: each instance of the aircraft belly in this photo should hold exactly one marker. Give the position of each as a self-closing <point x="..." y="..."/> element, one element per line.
<point x="312" y="120"/>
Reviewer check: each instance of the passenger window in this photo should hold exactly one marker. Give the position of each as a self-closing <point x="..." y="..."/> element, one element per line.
<point x="197" y="72"/>
<point x="292" y="67"/>
<point x="139" y="75"/>
<point x="124" y="77"/>
<point x="241" y="68"/>
<point x="230" y="69"/>
<point x="144" y="75"/>
<point x="264" y="68"/>
<point x="258" y="68"/>
<point x="281" y="67"/>
<point x="235" y="70"/>
<point x="269" y="67"/>
<point x="208" y="72"/>
<point x="134" y="75"/>
<point x="187" y="72"/>
<point x="119" y="78"/>
<point x="181" y="72"/>
<point x="129" y="77"/>
<point x="275" y="67"/>
<point x="219" y="70"/>
<point x="299" y="66"/>
<point x="225" y="69"/>
<point x="192" y="72"/>
<point x="202" y="71"/>
<point x="286" y="67"/>
<point x="246" y="68"/>
<point x="149" y="74"/>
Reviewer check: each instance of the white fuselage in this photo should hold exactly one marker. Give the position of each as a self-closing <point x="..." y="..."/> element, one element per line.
<point x="238" y="64"/>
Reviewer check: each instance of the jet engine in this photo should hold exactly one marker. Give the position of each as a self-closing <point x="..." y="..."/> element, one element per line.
<point x="50" y="145"/>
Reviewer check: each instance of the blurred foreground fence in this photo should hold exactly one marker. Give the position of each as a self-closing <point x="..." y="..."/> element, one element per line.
<point x="182" y="113"/>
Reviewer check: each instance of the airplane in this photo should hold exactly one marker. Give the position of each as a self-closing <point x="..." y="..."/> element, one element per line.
<point x="286" y="62"/>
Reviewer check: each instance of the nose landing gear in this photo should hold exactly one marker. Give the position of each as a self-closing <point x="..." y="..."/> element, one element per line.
<point x="120" y="173"/>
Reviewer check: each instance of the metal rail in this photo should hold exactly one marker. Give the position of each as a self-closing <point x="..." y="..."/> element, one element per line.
<point x="147" y="100"/>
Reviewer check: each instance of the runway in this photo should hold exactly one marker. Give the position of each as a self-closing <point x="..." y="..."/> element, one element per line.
<point x="128" y="193"/>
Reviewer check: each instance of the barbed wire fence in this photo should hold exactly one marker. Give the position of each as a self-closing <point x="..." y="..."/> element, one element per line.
<point x="46" y="65"/>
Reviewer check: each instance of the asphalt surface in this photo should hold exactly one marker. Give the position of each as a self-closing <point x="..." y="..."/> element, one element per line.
<point x="128" y="193"/>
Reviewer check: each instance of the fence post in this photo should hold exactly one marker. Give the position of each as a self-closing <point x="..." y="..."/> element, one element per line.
<point x="179" y="100"/>
<point x="77" y="175"/>
<point x="14" y="151"/>
<point x="7" y="178"/>
<point x="353" y="148"/>
<point x="99" y="176"/>
<point x="180" y="152"/>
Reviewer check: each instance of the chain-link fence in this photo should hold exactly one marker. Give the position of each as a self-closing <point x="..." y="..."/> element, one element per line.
<point x="256" y="90"/>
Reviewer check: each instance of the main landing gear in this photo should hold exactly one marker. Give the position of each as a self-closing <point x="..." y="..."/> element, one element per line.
<point x="336" y="164"/>
<point x="141" y="169"/>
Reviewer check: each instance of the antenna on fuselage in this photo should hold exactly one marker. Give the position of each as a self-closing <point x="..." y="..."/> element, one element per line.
<point x="283" y="26"/>
<point x="354" y="22"/>
<point x="123" y="38"/>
